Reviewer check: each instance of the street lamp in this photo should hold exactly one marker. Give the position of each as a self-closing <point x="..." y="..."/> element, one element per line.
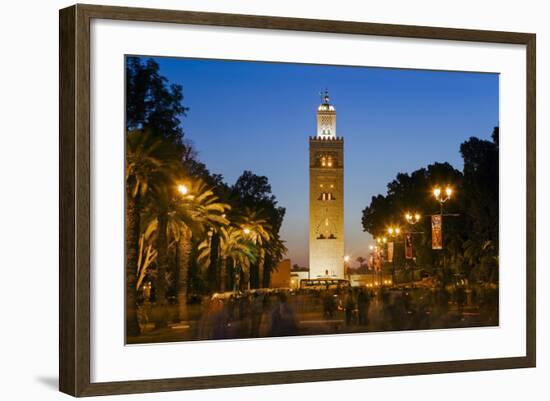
<point x="394" y="233"/>
<point x="381" y="240"/>
<point x="182" y="189"/>
<point x="379" y="254"/>
<point x="442" y="197"/>
<point x="184" y="192"/>
<point x="412" y="218"/>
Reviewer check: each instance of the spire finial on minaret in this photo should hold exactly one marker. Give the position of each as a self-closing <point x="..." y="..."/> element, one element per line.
<point x="326" y="117"/>
<point x="324" y="96"/>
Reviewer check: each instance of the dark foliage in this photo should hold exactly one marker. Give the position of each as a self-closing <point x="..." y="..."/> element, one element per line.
<point x="471" y="238"/>
<point x="151" y="102"/>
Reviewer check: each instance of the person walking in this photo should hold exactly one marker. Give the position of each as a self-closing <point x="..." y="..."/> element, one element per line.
<point x="283" y="321"/>
<point x="218" y="321"/>
<point x="256" y="310"/>
<point x="363" y="305"/>
<point x="350" y="307"/>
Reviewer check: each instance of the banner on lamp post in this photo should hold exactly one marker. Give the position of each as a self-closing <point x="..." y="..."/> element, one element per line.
<point x="408" y="246"/>
<point x="437" y="231"/>
<point x="377" y="261"/>
<point x="390" y="252"/>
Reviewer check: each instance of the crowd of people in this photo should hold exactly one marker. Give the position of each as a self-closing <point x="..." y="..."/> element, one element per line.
<point x="359" y="309"/>
<point x="248" y="315"/>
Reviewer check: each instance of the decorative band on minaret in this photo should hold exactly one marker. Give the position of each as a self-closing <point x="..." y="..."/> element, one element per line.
<point x="326" y="195"/>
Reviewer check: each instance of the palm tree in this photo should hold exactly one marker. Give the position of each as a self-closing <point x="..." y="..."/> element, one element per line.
<point x="160" y="205"/>
<point x="235" y="248"/>
<point x="149" y="158"/>
<point x="176" y="217"/>
<point x="255" y="226"/>
<point x="194" y="212"/>
<point x="147" y="253"/>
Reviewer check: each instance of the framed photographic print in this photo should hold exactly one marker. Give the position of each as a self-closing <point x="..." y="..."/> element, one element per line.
<point x="212" y="203"/>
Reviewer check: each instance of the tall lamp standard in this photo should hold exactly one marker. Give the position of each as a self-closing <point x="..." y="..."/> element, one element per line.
<point x="411" y="218"/>
<point x="394" y="233"/>
<point x="374" y="257"/>
<point x="442" y="197"/>
<point x="381" y="241"/>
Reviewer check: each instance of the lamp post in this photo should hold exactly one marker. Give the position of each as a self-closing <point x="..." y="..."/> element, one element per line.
<point x="411" y="218"/>
<point x="381" y="241"/>
<point x="394" y="233"/>
<point x="182" y="189"/>
<point x="373" y="255"/>
<point x="442" y="197"/>
<point x="184" y="192"/>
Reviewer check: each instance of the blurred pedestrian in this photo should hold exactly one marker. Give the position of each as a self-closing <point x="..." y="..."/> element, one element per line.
<point x="329" y="305"/>
<point x="350" y="306"/>
<point x="460" y="299"/>
<point x="256" y="311"/>
<point x="363" y="305"/>
<point x="283" y="321"/>
<point x="218" y="320"/>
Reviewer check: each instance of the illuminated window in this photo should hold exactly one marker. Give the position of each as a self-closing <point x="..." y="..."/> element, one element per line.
<point x="330" y="236"/>
<point x="327" y="160"/>
<point x="326" y="196"/>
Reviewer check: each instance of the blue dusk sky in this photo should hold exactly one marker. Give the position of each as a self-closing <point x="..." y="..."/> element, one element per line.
<point x="258" y="116"/>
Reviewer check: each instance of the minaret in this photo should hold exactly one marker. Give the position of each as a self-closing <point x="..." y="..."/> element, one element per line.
<point x="326" y="196"/>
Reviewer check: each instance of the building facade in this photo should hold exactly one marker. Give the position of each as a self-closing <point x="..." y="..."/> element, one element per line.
<point x="280" y="277"/>
<point x="326" y="196"/>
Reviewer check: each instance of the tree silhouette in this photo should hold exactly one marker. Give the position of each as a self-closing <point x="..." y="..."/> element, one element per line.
<point x="151" y="102"/>
<point x="471" y="239"/>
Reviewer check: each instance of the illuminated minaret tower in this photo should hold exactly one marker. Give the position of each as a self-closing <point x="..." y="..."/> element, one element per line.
<point x="326" y="196"/>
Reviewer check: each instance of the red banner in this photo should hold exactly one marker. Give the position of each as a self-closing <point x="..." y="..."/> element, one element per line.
<point x="390" y="252"/>
<point x="377" y="261"/>
<point x="437" y="231"/>
<point x="408" y="246"/>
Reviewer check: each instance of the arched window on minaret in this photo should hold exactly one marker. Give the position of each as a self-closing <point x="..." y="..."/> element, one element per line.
<point x="325" y="230"/>
<point x="326" y="196"/>
<point x="327" y="160"/>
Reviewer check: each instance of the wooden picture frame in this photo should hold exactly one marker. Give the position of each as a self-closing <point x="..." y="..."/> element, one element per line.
<point x="74" y="204"/>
